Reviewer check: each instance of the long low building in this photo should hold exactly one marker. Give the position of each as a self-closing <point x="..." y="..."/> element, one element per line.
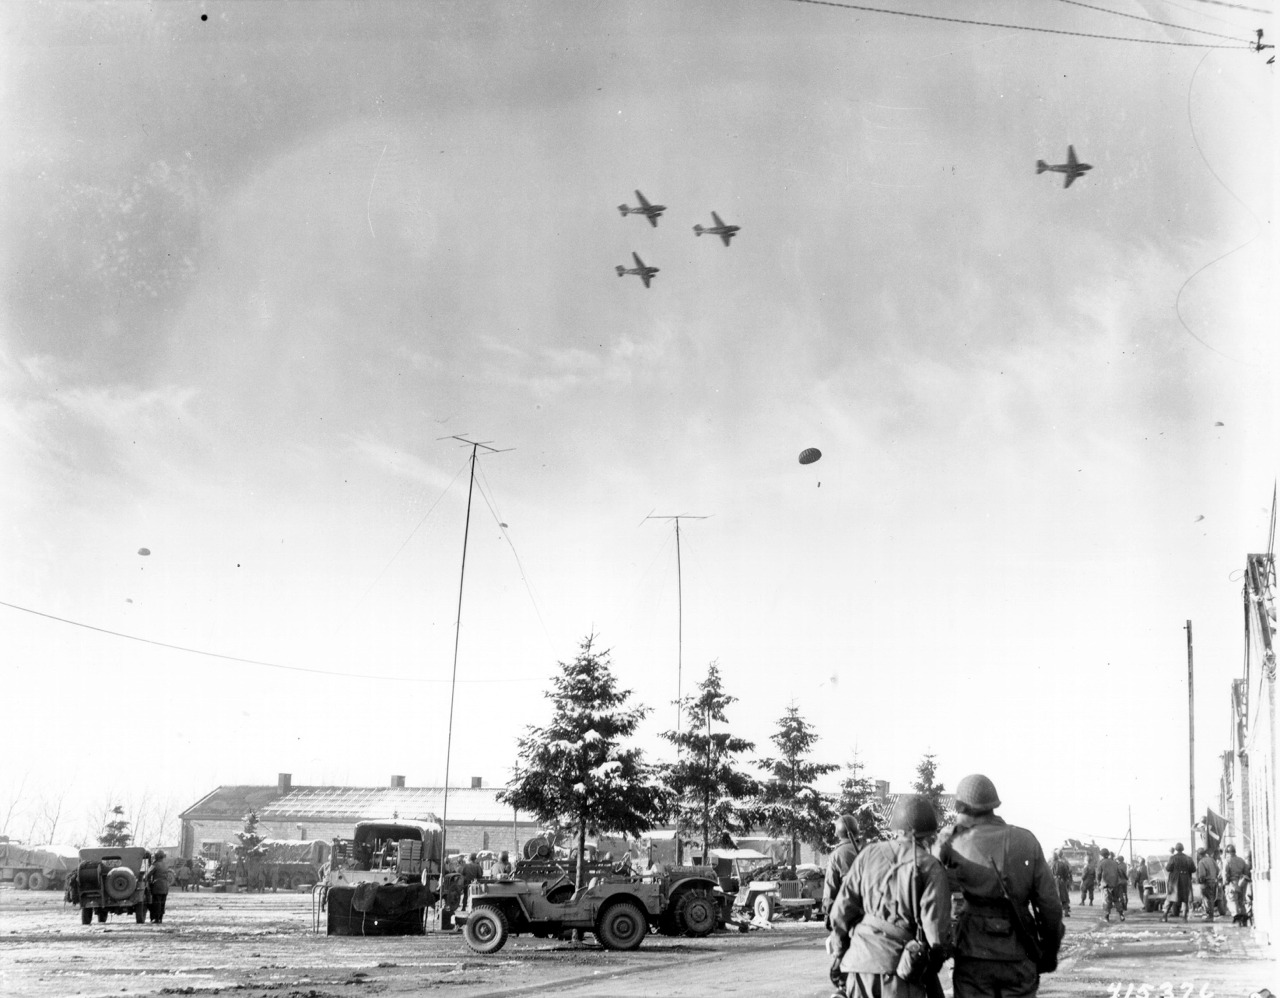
<point x="476" y="819"/>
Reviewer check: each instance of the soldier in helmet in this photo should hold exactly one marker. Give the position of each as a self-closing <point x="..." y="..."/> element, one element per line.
<point x="1112" y="879"/>
<point x="1207" y="878"/>
<point x="891" y="919"/>
<point x="1180" y="869"/>
<point x="1061" y="870"/>
<point x="158" y="878"/>
<point x="1235" y="874"/>
<point x="842" y="857"/>
<point x="1010" y="926"/>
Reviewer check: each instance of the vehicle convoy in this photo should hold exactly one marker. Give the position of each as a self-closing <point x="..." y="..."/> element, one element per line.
<point x="382" y="879"/>
<point x="37" y="868"/>
<point x="110" y="881"/>
<point x="619" y="906"/>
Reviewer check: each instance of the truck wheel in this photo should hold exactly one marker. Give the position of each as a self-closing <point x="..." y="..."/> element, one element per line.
<point x="140" y="912"/>
<point x="622" y="926"/>
<point x="696" y="913"/>
<point x="102" y="914"/>
<point x="86" y="916"/>
<point x="764" y="908"/>
<point x="36" y="881"/>
<point x="486" y="930"/>
<point x="20" y="880"/>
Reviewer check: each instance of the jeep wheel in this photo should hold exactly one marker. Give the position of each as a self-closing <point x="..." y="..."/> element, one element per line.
<point x="486" y="929"/>
<point x="696" y="913"/>
<point x="622" y="926"/>
<point x="140" y="912"/>
<point x="86" y="916"/>
<point x="763" y="908"/>
<point x="102" y="914"/>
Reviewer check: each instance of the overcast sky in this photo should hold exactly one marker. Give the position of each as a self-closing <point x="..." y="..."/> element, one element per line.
<point x="255" y="266"/>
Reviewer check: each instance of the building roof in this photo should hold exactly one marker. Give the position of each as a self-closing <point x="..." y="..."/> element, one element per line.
<point x="302" y="804"/>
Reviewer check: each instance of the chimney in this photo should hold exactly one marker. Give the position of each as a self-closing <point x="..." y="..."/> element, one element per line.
<point x="475" y="783"/>
<point x="397" y="781"/>
<point x="284" y="783"/>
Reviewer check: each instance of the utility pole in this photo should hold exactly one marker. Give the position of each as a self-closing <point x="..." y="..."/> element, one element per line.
<point x="679" y="643"/>
<point x="1191" y="735"/>
<point x="475" y="445"/>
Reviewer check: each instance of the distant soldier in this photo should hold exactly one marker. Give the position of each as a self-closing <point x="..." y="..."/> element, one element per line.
<point x="1235" y="872"/>
<point x="1062" y="874"/>
<point x="503" y="867"/>
<point x="1112" y="885"/>
<point x="1124" y="882"/>
<point x="1088" y="877"/>
<point x="471" y="872"/>
<point x="1180" y="869"/>
<point x="842" y="857"/>
<point x="1207" y="877"/>
<point x="891" y="919"/>
<point x="158" y="886"/>
<point x="1010" y="927"/>
<point x="1138" y="877"/>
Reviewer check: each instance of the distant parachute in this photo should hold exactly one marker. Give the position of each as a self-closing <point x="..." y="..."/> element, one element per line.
<point x="144" y="552"/>
<point x="1198" y="518"/>
<point x="1219" y="424"/>
<point x="809" y="455"/>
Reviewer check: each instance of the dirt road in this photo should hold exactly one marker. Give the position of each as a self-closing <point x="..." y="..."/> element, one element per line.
<point x="263" y="946"/>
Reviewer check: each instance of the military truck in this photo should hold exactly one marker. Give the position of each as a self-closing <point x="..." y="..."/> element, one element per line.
<point x="37" y="868"/>
<point x="110" y="881"/>
<point x="618" y="906"/>
<point x="382" y="879"/>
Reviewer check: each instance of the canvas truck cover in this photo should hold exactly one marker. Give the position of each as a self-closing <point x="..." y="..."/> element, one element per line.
<point x="314" y="851"/>
<point x="50" y="857"/>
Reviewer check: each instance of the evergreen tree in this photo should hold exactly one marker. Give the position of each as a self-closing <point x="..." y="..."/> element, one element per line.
<point x="251" y="850"/>
<point x="859" y="798"/>
<point x="115" y="833"/>
<point x="790" y="803"/>
<point x="711" y="796"/>
<point x="925" y="784"/>
<point x="576" y="769"/>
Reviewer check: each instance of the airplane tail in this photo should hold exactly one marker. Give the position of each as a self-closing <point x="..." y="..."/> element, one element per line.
<point x="620" y="269"/>
<point x="697" y="230"/>
<point x="1041" y="166"/>
<point x="623" y="210"/>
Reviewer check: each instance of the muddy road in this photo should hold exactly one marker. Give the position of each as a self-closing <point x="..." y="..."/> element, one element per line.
<point x="264" y="946"/>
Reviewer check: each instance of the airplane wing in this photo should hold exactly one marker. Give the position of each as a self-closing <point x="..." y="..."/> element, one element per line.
<point x="653" y="218"/>
<point x="716" y="218"/>
<point x="644" y="203"/>
<point x="639" y="262"/>
<point x="644" y="276"/>
<point x="1068" y="177"/>
<point x="1071" y="158"/>
<point x="725" y="237"/>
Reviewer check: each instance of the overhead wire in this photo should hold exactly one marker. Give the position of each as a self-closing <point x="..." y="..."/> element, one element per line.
<point x="1014" y="27"/>
<point x="1149" y="20"/>
<point x="247" y="661"/>
<point x="1236" y="6"/>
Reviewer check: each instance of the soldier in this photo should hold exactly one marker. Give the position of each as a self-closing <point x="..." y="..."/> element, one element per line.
<point x="1138" y="877"/>
<point x="846" y="850"/>
<point x="891" y="918"/>
<point x="158" y="886"/>
<point x="1124" y="882"/>
<point x="1002" y="948"/>
<point x="1180" y="869"/>
<point x="471" y="872"/>
<point x="503" y="867"/>
<point x="1207" y="876"/>
<point x="1088" y="878"/>
<point x="1062" y="874"/>
<point x="1112" y="880"/>
<point x="1236" y="873"/>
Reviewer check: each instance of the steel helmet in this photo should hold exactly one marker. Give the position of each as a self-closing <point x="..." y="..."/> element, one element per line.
<point x="1106" y="853"/>
<point x="846" y="828"/>
<point x="913" y="813"/>
<point x="1231" y="849"/>
<point x="1178" y="847"/>
<point x="977" y="792"/>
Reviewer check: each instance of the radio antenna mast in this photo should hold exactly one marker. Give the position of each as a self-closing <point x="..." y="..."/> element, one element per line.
<point x="475" y="445"/>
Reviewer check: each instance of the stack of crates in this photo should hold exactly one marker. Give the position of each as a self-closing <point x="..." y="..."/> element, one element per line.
<point x="409" y="860"/>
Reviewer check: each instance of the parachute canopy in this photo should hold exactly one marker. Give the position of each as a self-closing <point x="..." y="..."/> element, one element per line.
<point x="144" y="551"/>
<point x="809" y="455"/>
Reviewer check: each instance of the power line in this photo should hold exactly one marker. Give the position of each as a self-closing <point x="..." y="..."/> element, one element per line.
<point x="1236" y="6"/>
<point x="1016" y="27"/>
<point x="246" y="661"/>
<point x="1149" y="20"/>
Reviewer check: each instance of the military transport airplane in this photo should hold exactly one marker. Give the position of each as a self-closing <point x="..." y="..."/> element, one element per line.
<point x="725" y="232"/>
<point x="640" y="270"/>
<point x="1072" y="167"/>
<point x="649" y="211"/>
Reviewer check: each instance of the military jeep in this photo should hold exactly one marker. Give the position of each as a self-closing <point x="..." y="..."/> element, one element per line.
<point x="620" y="908"/>
<point x="110" y="881"/>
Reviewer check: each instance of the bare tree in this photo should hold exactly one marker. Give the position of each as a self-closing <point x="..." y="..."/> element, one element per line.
<point x="13" y="804"/>
<point x="52" y="813"/>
